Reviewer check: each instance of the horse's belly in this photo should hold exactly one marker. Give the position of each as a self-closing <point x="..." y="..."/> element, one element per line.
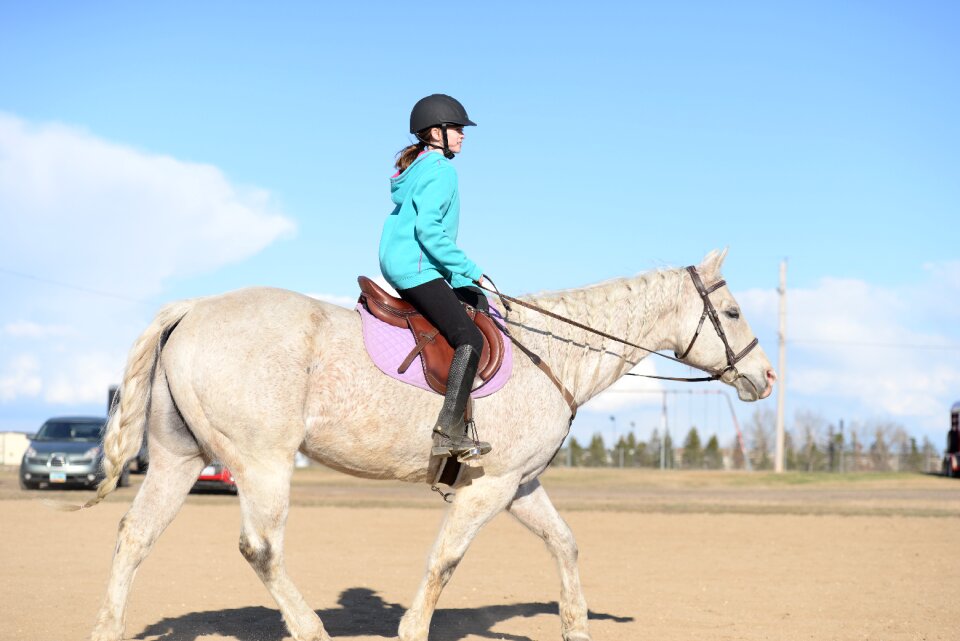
<point x="362" y="422"/>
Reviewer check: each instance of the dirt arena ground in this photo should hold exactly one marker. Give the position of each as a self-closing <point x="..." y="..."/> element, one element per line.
<point x="664" y="556"/>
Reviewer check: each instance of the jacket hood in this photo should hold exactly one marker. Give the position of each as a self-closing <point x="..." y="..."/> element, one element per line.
<point x="401" y="185"/>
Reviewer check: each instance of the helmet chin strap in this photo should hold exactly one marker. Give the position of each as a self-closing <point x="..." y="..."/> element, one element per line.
<point x="449" y="155"/>
<point x="446" y="145"/>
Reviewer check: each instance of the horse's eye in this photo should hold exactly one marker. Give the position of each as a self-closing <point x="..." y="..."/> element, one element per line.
<point x="733" y="313"/>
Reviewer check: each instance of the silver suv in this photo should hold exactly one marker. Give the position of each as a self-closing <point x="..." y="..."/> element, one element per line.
<point x="66" y="451"/>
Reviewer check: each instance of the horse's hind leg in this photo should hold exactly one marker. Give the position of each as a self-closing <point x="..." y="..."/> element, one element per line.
<point x="264" y="502"/>
<point x="533" y="508"/>
<point x="174" y="464"/>
<point x="472" y="508"/>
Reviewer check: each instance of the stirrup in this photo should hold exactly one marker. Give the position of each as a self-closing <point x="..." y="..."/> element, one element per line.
<point x="469" y="453"/>
<point x="464" y="449"/>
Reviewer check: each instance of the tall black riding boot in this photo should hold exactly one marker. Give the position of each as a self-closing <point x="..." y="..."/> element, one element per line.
<point x="450" y="432"/>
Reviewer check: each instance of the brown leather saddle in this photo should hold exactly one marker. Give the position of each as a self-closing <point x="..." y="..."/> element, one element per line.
<point x="434" y="350"/>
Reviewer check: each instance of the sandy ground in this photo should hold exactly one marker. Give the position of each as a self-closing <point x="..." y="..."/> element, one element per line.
<point x="664" y="556"/>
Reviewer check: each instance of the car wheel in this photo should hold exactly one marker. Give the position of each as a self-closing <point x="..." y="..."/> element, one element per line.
<point x="124" y="478"/>
<point x="28" y="485"/>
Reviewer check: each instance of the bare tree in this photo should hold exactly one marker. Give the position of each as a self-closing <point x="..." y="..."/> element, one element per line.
<point x="789" y="452"/>
<point x="900" y="446"/>
<point x="653" y="449"/>
<point x="760" y="429"/>
<point x="736" y="455"/>
<point x="880" y="450"/>
<point x="856" y="447"/>
<point x="810" y="426"/>
<point x="930" y="455"/>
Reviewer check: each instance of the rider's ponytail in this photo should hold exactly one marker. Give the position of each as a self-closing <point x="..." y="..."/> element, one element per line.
<point x="408" y="154"/>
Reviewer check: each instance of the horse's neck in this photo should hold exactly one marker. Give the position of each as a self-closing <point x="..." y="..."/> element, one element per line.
<point x="640" y="310"/>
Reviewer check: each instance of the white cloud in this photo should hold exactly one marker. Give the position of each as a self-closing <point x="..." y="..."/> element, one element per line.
<point x="343" y="301"/>
<point x="99" y="216"/>
<point x="20" y="378"/>
<point x="630" y="391"/>
<point x="115" y="218"/>
<point x="28" y="329"/>
<point x="350" y="301"/>
<point x="84" y="378"/>
<point x="861" y="349"/>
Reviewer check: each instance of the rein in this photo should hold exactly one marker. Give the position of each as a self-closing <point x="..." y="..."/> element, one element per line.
<point x="729" y="374"/>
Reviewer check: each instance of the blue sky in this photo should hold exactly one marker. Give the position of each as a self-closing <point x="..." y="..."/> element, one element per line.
<point x="155" y="153"/>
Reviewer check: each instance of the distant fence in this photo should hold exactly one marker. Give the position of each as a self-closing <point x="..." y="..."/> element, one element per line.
<point x="838" y="460"/>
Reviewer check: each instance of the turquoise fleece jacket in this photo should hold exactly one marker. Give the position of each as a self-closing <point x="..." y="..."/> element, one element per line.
<point x="419" y="239"/>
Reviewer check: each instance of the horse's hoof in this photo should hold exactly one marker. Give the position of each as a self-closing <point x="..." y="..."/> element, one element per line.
<point x="577" y="636"/>
<point x="107" y="629"/>
<point x="410" y="630"/>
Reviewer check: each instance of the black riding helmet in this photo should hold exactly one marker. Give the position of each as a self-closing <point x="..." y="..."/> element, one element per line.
<point x="438" y="110"/>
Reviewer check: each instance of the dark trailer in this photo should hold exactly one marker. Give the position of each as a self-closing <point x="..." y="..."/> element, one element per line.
<point x="951" y="458"/>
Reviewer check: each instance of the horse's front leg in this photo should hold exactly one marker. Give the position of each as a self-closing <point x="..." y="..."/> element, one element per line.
<point x="473" y="507"/>
<point x="533" y="508"/>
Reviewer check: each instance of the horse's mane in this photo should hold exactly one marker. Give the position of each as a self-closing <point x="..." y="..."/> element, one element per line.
<point x="652" y="288"/>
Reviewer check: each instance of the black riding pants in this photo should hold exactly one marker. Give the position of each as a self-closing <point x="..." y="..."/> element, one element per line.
<point x="440" y="304"/>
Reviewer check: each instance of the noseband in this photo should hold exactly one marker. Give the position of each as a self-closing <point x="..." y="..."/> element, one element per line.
<point x="729" y="374"/>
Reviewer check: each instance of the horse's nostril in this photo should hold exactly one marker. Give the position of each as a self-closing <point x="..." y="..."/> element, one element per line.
<point x="771" y="376"/>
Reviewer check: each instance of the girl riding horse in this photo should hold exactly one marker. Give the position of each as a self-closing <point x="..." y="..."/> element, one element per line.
<point x="419" y="257"/>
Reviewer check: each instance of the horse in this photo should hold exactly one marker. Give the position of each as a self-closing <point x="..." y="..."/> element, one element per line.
<point x="253" y="376"/>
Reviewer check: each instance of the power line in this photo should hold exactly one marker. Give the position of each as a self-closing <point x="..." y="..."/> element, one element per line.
<point x="829" y="341"/>
<point x="79" y="288"/>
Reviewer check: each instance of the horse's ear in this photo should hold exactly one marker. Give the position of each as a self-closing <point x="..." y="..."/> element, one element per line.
<point x="711" y="264"/>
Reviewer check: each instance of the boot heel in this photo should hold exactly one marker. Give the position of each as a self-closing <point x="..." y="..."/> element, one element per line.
<point x="439" y="450"/>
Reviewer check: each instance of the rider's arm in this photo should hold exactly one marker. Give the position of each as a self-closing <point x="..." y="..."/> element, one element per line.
<point x="431" y="199"/>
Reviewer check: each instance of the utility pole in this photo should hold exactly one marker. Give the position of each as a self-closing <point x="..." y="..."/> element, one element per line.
<point x="782" y="367"/>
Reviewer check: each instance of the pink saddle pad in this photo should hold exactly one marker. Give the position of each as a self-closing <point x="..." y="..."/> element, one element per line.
<point x="388" y="346"/>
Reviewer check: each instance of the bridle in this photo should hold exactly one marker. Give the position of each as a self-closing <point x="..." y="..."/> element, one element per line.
<point x="729" y="374"/>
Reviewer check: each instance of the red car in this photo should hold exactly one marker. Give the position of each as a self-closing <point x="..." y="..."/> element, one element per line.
<point x="215" y="478"/>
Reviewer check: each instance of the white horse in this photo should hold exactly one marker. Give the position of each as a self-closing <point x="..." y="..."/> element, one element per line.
<point x="253" y="376"/>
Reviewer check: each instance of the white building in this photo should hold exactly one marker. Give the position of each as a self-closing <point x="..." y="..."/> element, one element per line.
<point x="12" y="447"/>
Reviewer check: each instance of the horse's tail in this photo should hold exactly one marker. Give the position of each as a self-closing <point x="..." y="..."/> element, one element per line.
<point x="128" y="416"/>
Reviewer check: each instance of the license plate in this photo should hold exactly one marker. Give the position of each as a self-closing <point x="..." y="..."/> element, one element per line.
<point x="209" y="471"/>
<point x="58" y="477"/>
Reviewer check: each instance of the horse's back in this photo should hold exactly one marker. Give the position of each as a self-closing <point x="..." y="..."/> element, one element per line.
<point x="241" y="361"/>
